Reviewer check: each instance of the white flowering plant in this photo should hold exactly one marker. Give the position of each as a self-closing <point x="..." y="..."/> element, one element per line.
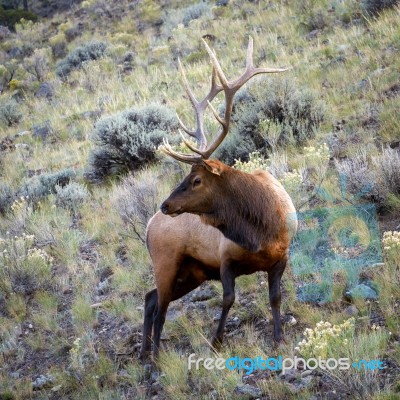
<point x="391" y="244"/>
<point x="24" y="268"/>
<point x="256" y="161"/>
<point x="326" y="340"/>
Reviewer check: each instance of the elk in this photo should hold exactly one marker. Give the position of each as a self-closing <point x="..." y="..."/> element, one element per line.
<point x="219" y="223"/>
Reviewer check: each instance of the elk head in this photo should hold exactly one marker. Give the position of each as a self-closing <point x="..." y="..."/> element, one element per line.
<point x="196" y="193"/>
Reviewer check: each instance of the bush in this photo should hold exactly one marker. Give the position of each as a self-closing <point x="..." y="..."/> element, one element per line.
<point x="128" y="140"/>
<point x="41" y="186"/>
<point x="136" y="200"/>
<point x="280" y="108"/>
<point x="194" y="11"/>
<point x="10" y="113"/>
<point x="11" y="17"/>
<point x="38" y="64"/>
<point x="24" y="268"/>
<point x="359" y="179"/>
<point x="6" y="197"/>
<point x="387" y="167"/>
<point x="374" y="7"/>
<point x="74" y="60"/>
<point x="71" y="196"/>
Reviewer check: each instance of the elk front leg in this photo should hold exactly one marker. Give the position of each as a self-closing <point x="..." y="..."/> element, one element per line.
<point x="274" y="283"/>
<point x="228" y="285"/>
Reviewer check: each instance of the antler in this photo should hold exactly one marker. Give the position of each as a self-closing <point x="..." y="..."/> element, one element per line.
<point x="230" y="88"/>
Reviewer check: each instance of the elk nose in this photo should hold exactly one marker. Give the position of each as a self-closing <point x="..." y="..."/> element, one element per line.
<point x="164" y="208"/>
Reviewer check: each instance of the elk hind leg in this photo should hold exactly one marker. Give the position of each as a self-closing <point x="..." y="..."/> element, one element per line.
<point x="189" y="277"/>
<point x="150" y="305"/>
<point x="274" y="283"/>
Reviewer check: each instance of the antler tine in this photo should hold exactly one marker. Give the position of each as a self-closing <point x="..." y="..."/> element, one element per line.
<point x="183" y="126"/>
<point x="186" y="158"/>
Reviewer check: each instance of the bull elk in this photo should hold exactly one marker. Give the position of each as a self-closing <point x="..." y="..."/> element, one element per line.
<point x="226" y="222"/>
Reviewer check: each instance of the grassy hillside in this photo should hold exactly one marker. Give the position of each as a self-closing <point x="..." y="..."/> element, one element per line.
<point x="86" y="98"/>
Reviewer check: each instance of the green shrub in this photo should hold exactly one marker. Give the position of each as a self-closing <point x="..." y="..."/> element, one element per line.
<point x="136" y="200"/>
<point x="24" y="268"/>
<point x="194" y="11"/>
<point x="74" y="60"/>
<point x="359" y="179"/>
<point x="71" y="196"/>
<point x="6" y="197"/>
<point x="10" y="112"/>
<point x="41" y="186"/>
<point x="374" y="7"/>
<point x="128" y="140"/>
<point x="292" y="112"/>
<point x="387" y="167"/>
<point x="11" y="17"/>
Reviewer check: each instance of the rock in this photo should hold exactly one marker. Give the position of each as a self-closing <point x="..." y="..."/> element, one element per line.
<point x="251" y="392"/>
<point x="351" y="310"/>
<point x="42" y="381"/>
<point x="289" y="320"/>
<point x="93" y="115"/>
<point x="203" y="294"/>
<point x="306" y="373"/>
<point x="46" y="90"/>
<point x="42" y="131"/>
<point x="290" y="375"/>
<point x="15" y="52"/>
<point x="4" y="32"/>
<point x="313" y="34"/>
<point x="23" y="133"/>
<point x="222" y="3"/>
<point x="103" y="287"/>
<point x="362" y="291"/>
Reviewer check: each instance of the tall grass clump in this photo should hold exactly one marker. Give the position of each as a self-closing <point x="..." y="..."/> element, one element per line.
<point x="128" y="140"/>
<point x="74" y="60"/>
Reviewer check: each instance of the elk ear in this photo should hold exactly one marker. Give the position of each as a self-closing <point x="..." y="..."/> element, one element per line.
<point x="213" y="166"/>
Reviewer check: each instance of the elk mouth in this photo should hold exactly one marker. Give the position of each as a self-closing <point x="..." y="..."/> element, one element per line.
<point x="165" y="210"/>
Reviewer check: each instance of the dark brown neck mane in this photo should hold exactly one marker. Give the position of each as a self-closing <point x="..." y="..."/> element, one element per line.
<point x="245" y="211"/>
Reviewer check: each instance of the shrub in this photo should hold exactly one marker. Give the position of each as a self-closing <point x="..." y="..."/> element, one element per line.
<point x="41" y="186"/>
<point x="38" y="64"/>
<point x="6" y="197"/>
<point x="136" y="200"/>
<point x="74" y="60"/>
<point x="11" y="17"/>
<point x="374" y="7"/>
<point x="194" y="11"/>
<point x="10" y="113"/>
<point x="71" y="196"/>
<point x="387" y="167"/>
<point x="128" y="140"/>
<point x="289" y="112"/>
<point x="23" y="267"/>
<point x="359" y="179"/>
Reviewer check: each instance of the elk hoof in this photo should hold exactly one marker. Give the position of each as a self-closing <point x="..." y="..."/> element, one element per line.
<point x="216" y="343"/>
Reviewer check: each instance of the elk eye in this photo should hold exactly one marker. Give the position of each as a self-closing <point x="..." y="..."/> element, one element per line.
<point x="197" y="181"/>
